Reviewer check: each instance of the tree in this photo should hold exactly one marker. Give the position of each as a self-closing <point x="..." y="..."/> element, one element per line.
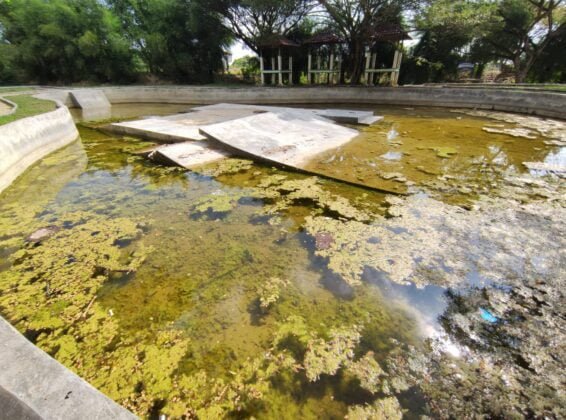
<point x="357" y="19"/>
<point x="449" y="28"/>
<point x="65" y="41"/>
<point x="251" y="20"/>
<point x="521" y="30"/>
<point x="178" y="40"/>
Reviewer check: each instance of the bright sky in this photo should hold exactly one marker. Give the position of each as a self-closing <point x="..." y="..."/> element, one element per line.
<point x="239" y="50"/>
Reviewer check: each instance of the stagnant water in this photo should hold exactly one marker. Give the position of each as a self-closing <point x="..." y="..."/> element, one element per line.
<point x="215" y="294"/>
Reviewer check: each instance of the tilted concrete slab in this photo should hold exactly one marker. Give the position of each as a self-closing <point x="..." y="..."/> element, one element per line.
<point x="288" y="138"/>
<point x="344" y="116"/>
<point x="158" y="129"/>
<point x="93" y="103"/>
<point x="33" y="382"/>
<point x="178" y="127"/>
<point x="188" y="154"/>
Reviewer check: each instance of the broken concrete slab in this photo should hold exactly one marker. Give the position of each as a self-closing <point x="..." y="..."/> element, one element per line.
<point x="547" y="167"/>
<point x="188" y="154"/>
<point x="157" y="129"/>
<point x="344" y="116"/>
<point x="288" y="138"/>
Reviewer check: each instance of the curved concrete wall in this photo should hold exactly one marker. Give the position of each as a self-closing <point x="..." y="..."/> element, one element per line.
<point x="25" y="141"/>
<point x="546" y="104"/>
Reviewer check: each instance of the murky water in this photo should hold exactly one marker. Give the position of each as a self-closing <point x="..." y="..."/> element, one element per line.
<point x="202" y="294"/>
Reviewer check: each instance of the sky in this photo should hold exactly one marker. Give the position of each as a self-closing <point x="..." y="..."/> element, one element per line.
<point x="238" y="50"/>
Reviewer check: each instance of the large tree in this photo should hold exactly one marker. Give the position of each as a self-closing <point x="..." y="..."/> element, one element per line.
<point x="252" y="20"/>
<point x="65" y="41"/>
<point x="521" y="30"/>
<point x="357" y="19"/>
<point x="448" y="30"/>
<point x="178" y="40"/>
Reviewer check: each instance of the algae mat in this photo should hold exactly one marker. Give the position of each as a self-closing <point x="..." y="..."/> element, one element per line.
<point x="239" y="290"/>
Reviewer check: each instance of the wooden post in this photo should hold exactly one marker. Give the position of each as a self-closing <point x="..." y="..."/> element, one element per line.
<point x="368" y="62"/>
<point x="290" y="69"/>
<point x="399" y="60"/>
<point x="373" y="61"/>
<point x="280" y="65"/>
<point x="331" y="68"/>
<point x="318" y="67"/>
<point x="394" y="73"/>
<point x="339" y="67"/>
<point x="309" y="68"/>
<point x="261" y="67"/>
<point x="273" y="68"/>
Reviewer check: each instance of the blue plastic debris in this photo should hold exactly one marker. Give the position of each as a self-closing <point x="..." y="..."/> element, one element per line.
<point x="488" y="316"/>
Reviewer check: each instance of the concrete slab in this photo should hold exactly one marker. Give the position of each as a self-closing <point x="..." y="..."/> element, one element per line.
<point x="93" y="103"/>
<point x="34" y="383"/>
<point x="158" y="129"/>
<point x="188" y="154"/>
<point x="344" y="116"/>
<point x="289" y="138"/>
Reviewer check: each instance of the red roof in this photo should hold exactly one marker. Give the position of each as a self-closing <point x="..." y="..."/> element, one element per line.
<point x="324" y="38"/>
<point x="275" y="41"/>
<point x="389" y="32"/>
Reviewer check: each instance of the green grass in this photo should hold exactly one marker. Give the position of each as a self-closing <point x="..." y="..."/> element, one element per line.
<point x="27" y="107"/>
<point x="6" y="89"/>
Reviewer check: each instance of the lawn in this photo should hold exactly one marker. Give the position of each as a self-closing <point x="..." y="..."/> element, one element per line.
<point x="27" y="106"/>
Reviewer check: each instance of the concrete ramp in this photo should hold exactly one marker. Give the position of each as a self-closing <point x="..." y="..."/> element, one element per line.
<point x="187" y="155"/>
<point x="93" y="103"/>
<point x="289" y="138"/>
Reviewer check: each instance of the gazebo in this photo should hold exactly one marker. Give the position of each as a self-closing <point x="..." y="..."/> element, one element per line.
<point x="326" y="48"/>
<point x="275" y="47"/>
<point x="391" y="33"/>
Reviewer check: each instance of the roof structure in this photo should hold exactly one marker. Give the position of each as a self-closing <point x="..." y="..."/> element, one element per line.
<point x="324" y="38"/>
<point x="389" y="32"/>
<point x="276" y="41"/>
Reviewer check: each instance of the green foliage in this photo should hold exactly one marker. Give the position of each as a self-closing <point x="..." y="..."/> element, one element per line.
<point x="181" y="41"/>
<point x="27" y="107"/>
<point x="66" y="41"/>
<point x="248" y="66"/>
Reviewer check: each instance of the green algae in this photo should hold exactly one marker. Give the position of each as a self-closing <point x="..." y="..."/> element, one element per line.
<point x="170" y="320"/>
<point x="426" y="142"/>
<point x="270" y="292"/>
<point x="387" y="409"/>
<point x="445" y="152"/>
<point x="326" y="357"/>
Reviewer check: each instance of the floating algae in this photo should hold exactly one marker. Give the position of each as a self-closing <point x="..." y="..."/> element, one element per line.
<point x="165" y="315"/>
<point x="387" y="409"/>
<point x="429" y="242"/>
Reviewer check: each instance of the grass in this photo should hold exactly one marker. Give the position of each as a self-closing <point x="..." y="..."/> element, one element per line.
<point x="6" y="89"/>
<point x="27" y="107"/>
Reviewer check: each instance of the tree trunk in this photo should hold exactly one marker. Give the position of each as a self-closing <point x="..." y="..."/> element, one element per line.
<point x="357" y="48"/>
<point x="521" y="70"/>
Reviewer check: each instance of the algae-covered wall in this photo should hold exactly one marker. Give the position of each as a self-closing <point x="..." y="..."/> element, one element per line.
<point x="25" y="141"/>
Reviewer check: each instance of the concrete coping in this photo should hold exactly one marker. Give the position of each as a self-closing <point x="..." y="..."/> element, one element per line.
<point x="13" y="105"/>
<point x="33" y="385"/>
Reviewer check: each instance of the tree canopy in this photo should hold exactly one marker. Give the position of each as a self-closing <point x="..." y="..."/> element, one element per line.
<point x="184" y="41"/>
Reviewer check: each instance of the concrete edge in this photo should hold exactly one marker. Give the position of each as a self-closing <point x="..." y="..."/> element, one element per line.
<point x="12" y="104"/>
<point x="36" y="384"/>
<point x="33" y="385"/>
<point x="540" y="103"/>
<point x="23" y="142"/>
